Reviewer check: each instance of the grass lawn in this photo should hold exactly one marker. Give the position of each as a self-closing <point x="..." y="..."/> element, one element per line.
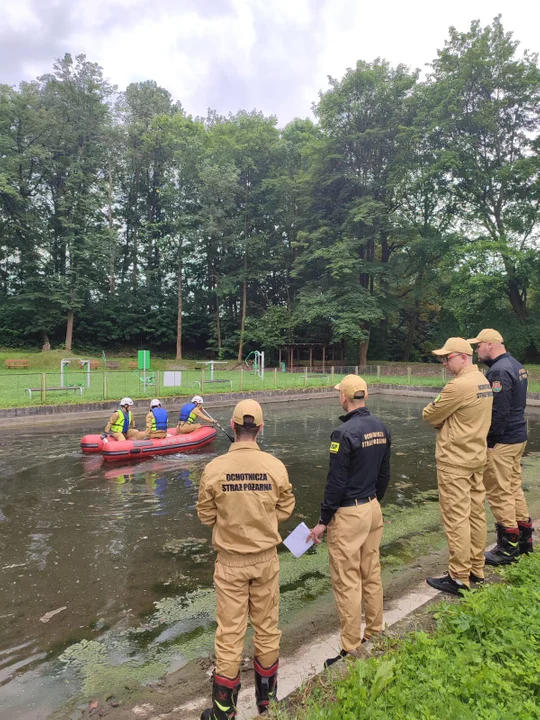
<point x="481" y="663"/>
<point x="114" y="384"/>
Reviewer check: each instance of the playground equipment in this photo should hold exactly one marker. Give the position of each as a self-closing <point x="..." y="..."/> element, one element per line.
<point x="83" y="363"/>
<point x="212" y="363"/>
<point x="258" y="362"/>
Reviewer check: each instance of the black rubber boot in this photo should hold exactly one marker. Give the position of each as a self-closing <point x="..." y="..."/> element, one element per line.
<point x="506" y="550"/>
<point x="525" y="537"/>
<point x="224" y="698"/>
<point x="265" y="684"/>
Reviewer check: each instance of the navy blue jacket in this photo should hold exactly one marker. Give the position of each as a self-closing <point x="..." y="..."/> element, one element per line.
<point x="359" y="462"/>
<point x="508" y="380"/>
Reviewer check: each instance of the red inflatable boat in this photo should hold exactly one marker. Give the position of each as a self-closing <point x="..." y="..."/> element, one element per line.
<point x="138" y="449"/>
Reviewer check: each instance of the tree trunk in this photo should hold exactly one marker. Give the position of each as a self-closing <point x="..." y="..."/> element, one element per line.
<point x="519" y="306"/>
<point x="179" y="315"/>
<point x="244" y="306"/>
<point x="244" y="293"/>
<point x="112" y="259"/>
<point x="69" y="329"/>
<point x="410" y="336"/>
<point x="364" y="344"/>
<point x="218" y="326"/>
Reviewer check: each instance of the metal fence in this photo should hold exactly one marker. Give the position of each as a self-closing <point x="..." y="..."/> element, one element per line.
<point x="31" y="388"/>
<point x="19" y="389"/>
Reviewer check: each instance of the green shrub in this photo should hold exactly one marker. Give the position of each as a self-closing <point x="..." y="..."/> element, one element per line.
<point x="481" y="663"/>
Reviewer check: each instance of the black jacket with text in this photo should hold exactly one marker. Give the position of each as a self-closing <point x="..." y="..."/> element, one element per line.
<point x="508" y="380"/>
<point x="359" y="462"/>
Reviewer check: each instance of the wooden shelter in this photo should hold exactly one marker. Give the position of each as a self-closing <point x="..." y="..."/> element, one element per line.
<point x="298" y="353"/>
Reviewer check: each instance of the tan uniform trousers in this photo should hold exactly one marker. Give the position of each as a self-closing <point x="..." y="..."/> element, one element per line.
<point x="246" y="585"/>
<point x="354" y="538"/>
<point x="184" y="428"/>
<point x="461" y="497"/>
<point x="132" y="434"/>
<point x="156" y="434"/>
<point x="502" y="480"/>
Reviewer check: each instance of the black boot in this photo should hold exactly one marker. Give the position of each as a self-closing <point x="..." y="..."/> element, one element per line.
<point x="224" y="698"/>
<point x="506" y="550"/>
<point x="525" y="537"/>
<point x="265" y="684"/>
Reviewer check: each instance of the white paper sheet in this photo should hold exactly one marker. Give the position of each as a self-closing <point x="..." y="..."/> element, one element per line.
<point x="296" y="541"/>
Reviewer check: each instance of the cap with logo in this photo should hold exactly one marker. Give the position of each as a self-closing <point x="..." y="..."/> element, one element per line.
<point x="155" y="403"/>
<point x="352" y="384"/>
<point x="487" y="335"/>
<point x="454" y="345"/>
<point x="250" y="408"/>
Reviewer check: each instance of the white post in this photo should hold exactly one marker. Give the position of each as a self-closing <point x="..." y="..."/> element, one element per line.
<point x="261" y="358"/>
<point x="144" y="373"/>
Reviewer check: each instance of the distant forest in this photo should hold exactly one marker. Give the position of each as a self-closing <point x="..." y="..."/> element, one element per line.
<point x="408" y="212"/>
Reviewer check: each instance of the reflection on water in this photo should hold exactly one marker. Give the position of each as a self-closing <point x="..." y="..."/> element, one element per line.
<point x="102" y="544"/>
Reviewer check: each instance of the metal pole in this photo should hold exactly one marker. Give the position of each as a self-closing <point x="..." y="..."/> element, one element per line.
<point x="332" y="373"/>
<point x="44" y="387"/>
<point x="104" y="385"/>
<point x="275" y="378"/>
<point x="409" y="375"/>
<point x="378" y="373"/>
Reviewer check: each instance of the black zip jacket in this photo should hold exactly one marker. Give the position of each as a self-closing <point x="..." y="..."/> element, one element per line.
<point x="359" y="462"/>
<point x="508" y="380"/>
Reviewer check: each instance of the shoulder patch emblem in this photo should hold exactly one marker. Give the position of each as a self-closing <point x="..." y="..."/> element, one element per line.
<point x="334" y="447"/>
<point x="437" y="398"/>
<point x="496" y="386"/>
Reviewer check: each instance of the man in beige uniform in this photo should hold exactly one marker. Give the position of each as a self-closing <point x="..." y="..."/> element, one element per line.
<point x="121" y="425"/>
<point x="243" y="496"/>
<point x="461" y="415"/>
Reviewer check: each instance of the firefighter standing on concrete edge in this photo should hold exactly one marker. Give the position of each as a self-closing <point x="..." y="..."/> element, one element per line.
<point x="243" y="496"/>
<point x="357" y="480"/>
<point x="507" y="438"/>
<point x="461" y="414"/>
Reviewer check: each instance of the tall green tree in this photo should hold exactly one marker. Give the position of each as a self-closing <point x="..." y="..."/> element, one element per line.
<point x="486" y="101"/>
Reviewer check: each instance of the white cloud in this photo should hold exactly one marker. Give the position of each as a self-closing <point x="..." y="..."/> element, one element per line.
<point x="274" y="55"/>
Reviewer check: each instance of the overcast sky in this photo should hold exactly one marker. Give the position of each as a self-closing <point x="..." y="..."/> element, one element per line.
<point x="272" y="55"/>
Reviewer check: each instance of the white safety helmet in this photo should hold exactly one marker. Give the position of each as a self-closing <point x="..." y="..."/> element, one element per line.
<point x="155" y="403"/>
<point x="197" y="399"/>
<point x="126" y="401"/>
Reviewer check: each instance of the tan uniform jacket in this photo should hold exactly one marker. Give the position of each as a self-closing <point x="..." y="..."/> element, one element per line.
<point x="243" y="496"/>
<point x="113" y="419"/>
<point x="462" y="416"/>
<point x="200" y="413"/>
<point x="149" y="420"/>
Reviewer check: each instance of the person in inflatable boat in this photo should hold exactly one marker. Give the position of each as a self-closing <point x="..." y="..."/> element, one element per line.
<point x="156" y="422"/>
<point x="190" y="413"/>
<point x="121" y="425"/>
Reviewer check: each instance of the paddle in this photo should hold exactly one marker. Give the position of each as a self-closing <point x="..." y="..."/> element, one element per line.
<point x="231" y="438"/>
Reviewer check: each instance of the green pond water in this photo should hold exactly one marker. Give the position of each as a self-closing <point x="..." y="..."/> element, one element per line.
<point x="106" y="572"/>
